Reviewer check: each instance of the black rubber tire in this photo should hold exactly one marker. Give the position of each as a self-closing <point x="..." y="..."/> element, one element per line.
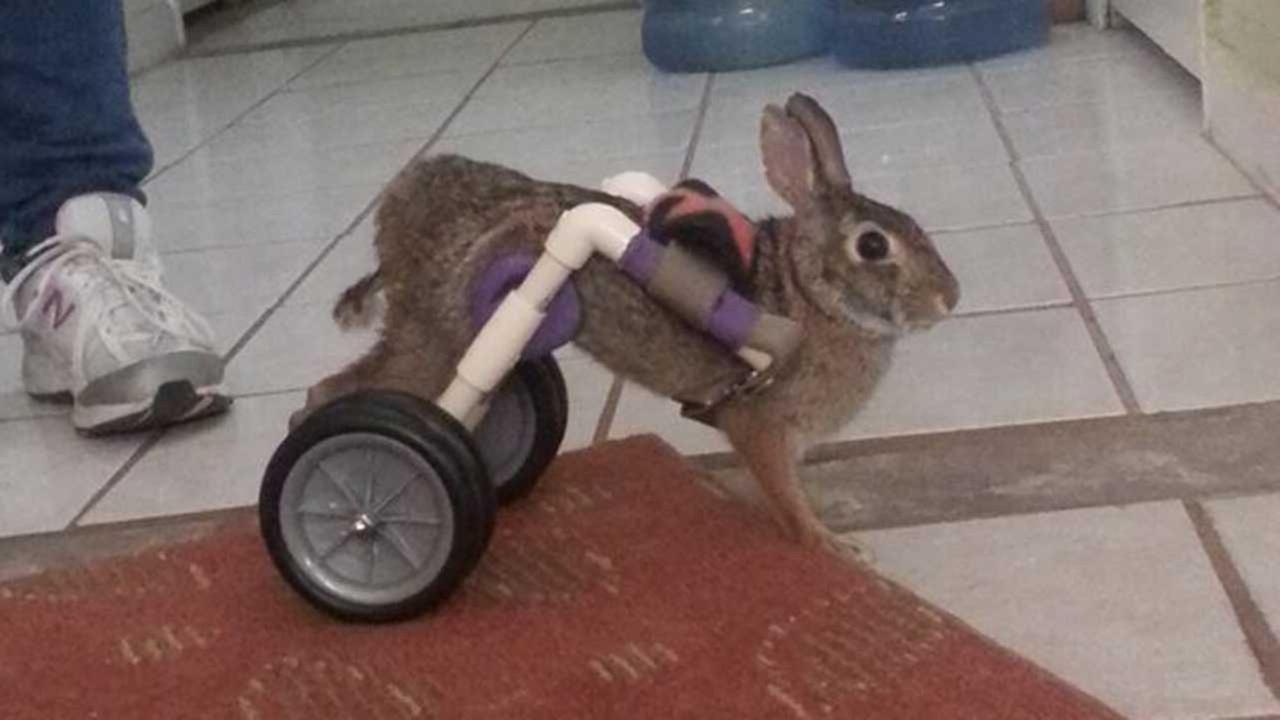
<point x="440" y="441"/>
<point x="545" y="385"/>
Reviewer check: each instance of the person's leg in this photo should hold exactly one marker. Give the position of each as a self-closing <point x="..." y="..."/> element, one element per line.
<point x="67" y="125"/>
<point x="98" y="328"/>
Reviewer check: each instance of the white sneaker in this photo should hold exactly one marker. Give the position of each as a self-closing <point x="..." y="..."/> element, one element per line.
<point x="100" y="331"/>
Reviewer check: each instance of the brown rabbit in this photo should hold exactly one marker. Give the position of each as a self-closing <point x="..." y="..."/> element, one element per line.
<point x="853" y="272"/>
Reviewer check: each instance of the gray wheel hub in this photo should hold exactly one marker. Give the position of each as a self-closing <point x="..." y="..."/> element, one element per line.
<point x="366" y="518"/>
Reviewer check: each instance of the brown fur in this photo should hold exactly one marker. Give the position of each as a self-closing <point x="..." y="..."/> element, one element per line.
<point x="443" y="219"/>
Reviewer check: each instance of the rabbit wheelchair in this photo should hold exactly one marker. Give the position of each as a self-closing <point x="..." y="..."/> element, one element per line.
<point x="379" y="504"/>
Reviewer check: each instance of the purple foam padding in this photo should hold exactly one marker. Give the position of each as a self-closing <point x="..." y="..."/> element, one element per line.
<point x="640" y="260"/>
<point x="732" y="320"/>
<point x="564" y="312"/>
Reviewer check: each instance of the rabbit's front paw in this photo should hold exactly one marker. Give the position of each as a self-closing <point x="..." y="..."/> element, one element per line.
<point x="844" y="548"/>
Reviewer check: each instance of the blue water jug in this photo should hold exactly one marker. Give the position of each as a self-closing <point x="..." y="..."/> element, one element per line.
<point x="718" y="35"/>
<point x="913" y="33"/>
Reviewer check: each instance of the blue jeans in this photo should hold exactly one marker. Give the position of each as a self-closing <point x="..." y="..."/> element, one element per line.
<point x="66" y="121"/>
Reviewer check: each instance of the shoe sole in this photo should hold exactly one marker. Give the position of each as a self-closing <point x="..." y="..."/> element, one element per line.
<point x="174" y="403"/>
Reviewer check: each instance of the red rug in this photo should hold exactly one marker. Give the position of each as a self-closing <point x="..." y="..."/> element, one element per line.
<point x="623" y="588"/>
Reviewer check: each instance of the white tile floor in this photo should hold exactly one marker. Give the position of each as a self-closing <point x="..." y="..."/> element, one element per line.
<point x="266" y="159"/>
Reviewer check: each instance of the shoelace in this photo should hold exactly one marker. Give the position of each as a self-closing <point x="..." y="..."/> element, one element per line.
<point x="138" y="287"/>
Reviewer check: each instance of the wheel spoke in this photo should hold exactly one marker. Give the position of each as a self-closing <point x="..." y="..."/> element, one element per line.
<point x="373" y="562"/>
<point x="410" y="520"/>
<point x="323" y="513"/>
<point x="398" y="544"/>
<point x="391" y="498"/>
<point x="371" y="461"/>
<point x="342" y="488"/>
<point x="333" y="547"/>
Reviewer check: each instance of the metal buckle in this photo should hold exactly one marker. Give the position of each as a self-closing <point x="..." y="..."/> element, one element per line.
<point x="746" y="386"/>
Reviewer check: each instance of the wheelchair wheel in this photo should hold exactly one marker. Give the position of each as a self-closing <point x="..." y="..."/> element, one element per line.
<point x="524" y="427"/>
<point x="376" y="507"/>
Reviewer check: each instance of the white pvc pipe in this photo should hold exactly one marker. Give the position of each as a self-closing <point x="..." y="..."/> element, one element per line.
<point x="580" y="233"/>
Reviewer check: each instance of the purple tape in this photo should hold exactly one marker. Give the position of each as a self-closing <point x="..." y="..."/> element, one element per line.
<point x="732" y="320"/>
<point x="564" y="312"/>
<point x="641" y="258"/>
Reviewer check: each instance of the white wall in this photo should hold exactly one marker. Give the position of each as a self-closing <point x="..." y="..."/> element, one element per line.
<point x="1242" y="84"/>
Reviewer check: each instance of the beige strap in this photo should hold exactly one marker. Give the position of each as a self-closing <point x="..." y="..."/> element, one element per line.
<point x="687" y="284"/>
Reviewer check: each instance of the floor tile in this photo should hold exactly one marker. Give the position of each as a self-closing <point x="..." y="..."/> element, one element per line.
<point x="1002" y="268"/>
<point x="641" y="412"/>
<point x="1119" y="601"/>
<point x="1248" y="529"/>
<point x="571" y="91"/>
<point x="1184" y="247"/>
<point x="299" y="103"/>
<point x="953" y="197"/>
<point x="313" y="214"/>
<point x="986" y="371"/>
<point x="1198" y="348"/>
<point x="211" y="465"/>
<point x="203" y="175"/>
<point x="278" y="127"/>
<point x="1073" y="42"/>
<point x="1096" y="80"/>
<point x="1133" y="177"/>
<point x="854" y="99"/>
<point x="298" y="347"/>
<point x="243" y="279"/>
<point x="1105" y="126"/>
<point x="611" y="33"/>
<point x="589" y="384"/>
<point x="416" y="54"/>
<point x="330" y="18"/>
<point x="350" y="260"/>
<point x="222" y="84"/>
<point x="48" y="472"/>
<point x="182" y="104"/>
<point x="584" y="153"/>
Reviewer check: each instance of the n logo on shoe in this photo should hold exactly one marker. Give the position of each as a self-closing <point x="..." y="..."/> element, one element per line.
<point x="56" y="308"/>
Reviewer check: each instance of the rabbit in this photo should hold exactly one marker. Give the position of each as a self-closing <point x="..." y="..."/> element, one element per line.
<point x="854" y="273"/>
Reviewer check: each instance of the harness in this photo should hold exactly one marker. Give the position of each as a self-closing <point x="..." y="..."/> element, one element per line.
<point x="695" y="255"/>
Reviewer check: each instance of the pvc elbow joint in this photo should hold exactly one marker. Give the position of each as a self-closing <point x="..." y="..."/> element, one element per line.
<point x="588" y="229"/>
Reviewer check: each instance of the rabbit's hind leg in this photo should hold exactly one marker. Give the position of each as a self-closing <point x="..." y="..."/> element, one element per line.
<point x="356" y="376"/>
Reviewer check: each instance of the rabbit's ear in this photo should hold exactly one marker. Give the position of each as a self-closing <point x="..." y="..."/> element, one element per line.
<point x="788" y="157"/>
<point x="824" y="137"/>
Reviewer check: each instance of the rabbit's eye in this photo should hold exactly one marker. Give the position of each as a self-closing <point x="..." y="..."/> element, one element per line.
<point x="873" y="246"/>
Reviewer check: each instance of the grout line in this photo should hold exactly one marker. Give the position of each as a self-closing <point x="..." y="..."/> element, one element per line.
<point x="151" y="441"/>
<point x="418" y="29"/>
<point x="698" y="122"/>
<point x="1258" y="633"/>
<point x="610" y="411"/>
<point x="1119" y="382"/>
<point x="1154" y="208"/>
<point x="155" y="437"/>
<point x="234" y="121"/>
<point x="1269" y="280"/>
